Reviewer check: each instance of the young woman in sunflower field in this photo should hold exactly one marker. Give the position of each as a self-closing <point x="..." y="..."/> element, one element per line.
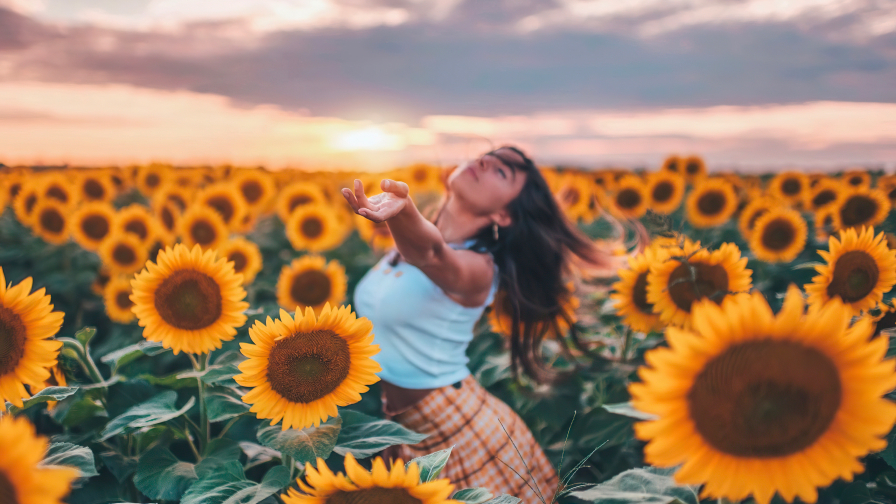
<point x="498" y="228"/>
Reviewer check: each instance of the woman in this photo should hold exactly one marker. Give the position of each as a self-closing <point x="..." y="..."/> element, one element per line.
<point x="499" y="227"/>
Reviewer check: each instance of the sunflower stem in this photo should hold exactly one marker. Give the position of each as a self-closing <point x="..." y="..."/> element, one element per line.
<point x="203" y="406"/>
<point x="290" y="464"/>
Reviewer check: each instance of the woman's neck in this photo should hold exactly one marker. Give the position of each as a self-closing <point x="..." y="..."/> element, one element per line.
<point x="456" y="224"/>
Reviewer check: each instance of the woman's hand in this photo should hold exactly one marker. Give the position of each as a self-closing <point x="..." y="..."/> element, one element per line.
<point x="380" y="207"/>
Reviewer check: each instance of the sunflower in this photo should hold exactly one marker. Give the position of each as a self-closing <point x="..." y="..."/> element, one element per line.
<point x="58" y="187"/>
<point x="827" y="222"/>
<point x="256" y="187"/>
<point x="500" y="316"/>
<point x="227" y="200"/>
<point x="691" y="273"/>
<point x="22" y="479"/>
<point x="423" y="178"/>
<point x="95" y="186"/>
<point x="301" y="369"/>
<point x="673" y="164"/>
<point x="151" y="177"/>
<point x="665" y="191"/>
<point x="779" y="235"/>
<point x="91" y="223"/>
<point x="859" y="270"/>
<point x="862" y="207"/>
<point x="189" y="300"/>
<point x="311" y="281"/>
<point x="756" y="208"/>
<point x="574" y="194"/>
<point x="315" y="228"/>
<point x="399" y="485"/>
<point x="167" y="217"/>
<point x="123" y="253"/>
<point x="245" y="256"/>
<point x="299" y="194"/>
<point x="136" y="220"/>
<point x="50" y="221"/>
<point x="823" y="193"/>
<point x="200" y="225"/>
<point x="856" y="178"/>
<point x="789" y="186"/>
<point x="693" y="168"/>
<point x="711" y="203"/>
<point x="117" y="296"/>
<point x="887" y="184"/>
<point x="25" y="201"/>
<point x="103" y="276"/>
<point x="631" y="291"/>
<point x="631" y="199"/>
<point x="27" y="321"/>
<point x="749" y="402"/>
<point x="169" y="192"/>
<point x="376" y="234"/>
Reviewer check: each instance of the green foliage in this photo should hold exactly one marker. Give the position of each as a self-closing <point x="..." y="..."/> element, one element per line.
<point x="647" y="485"/>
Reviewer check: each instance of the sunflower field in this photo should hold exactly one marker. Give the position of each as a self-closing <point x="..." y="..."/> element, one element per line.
<point x="185" y="334"/>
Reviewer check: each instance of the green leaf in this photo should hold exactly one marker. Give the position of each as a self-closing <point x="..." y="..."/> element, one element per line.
<point x="128" y="354"/>
<point x="648" y="485"/>
<point x="223" y="404"/>
<point x="504" y="499"/>
<point x="807" y="265"/>
<point x="217" y="453"/>
<point x="432" y="464"/>
<point x="303" y="445"/>
<point x="626" y="409"/>
<point x="119" y="465"/>
<point x="472" y="495"/>
<point x="221" y="375"/>
<point x="71" y="455"/>
<point x="85" y="335"/>
<point x="160" y="475"/>
<point x="363" y="435"/>
<point x="45" y="395"/>
<point x="154" y="411"/>
<point x="889" y="453"/>
<point x="230" y="486"/>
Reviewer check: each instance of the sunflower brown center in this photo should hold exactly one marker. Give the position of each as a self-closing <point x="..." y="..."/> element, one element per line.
<point x="52" y="220"/>
<point x="766" y="398"/>
<point x="188" y="299"/>
<point x="663" y="191"/>
<point x="137" y="227"/>
<point x="8" y="494"/>
<point x="14" y="189"/>
<point x="12" y="341"/>
<point x="298" y="200"/>
<point x="639" y="294"/>
<point x="628" y="198"/>
<point x="823" y="197"/>
<point x="672" y="166"/>
<point x="96" y="227"/>
<point x="307" y="366"/>
<point x="312" y="227"/>
<point x="759" y="212"/>
<point x="152" y="180"/>
<point x="374" y="496"/>
<point x="123" y="300"/>
<point x="239" y="260"/>
<point x="203" y="232"/>
<point x="94" y="190"/>
<point x="177" y="200"/>
<point x="420" y="175"/>
<point x="223" y="206"/>
<point x="30" y="201"/>
<point x="778" y="234"/>
<point x="57" y="193"/>
<point x="251" y="190"/>
<point x="856" y="180"/>
<point x="310" y="288"/>
<point x="711" y="202"/>
<point x="167" y="218"/>
<point x="692" y="281"/>
<point x="123" y="254"/>
<point x="692" y="168"/>
<point x="858" y="209"/>
<point x="791" y="187"/>
<point x="855" y="276"/>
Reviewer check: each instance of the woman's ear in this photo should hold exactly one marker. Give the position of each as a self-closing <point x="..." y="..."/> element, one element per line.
<point x="502" y="218"/>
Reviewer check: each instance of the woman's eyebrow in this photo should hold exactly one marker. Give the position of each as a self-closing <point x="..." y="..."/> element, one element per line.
<point x="504" y="163"/>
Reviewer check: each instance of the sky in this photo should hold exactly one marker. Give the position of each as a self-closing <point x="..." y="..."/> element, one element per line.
<point x="750" y="85"/>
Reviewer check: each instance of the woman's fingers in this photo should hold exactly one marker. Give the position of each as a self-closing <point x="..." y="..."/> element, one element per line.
<point x="359" y="194"/>
<point x="399" y="189"/>
<point x="350" y="198"/>
<point x="371" y="215"/>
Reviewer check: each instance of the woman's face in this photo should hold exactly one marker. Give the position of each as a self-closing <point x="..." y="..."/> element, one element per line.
<point x="486" y="185"/>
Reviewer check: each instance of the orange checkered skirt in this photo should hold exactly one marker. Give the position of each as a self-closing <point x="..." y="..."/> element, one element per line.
<point x="469" y="419"/>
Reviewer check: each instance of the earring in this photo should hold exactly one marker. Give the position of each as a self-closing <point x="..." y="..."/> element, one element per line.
<point x="495" y="230"/>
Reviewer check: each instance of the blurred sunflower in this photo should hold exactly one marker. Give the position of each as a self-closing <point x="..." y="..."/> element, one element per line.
<point x="22" y="478"/>
<point x="168" y="217"/>
<point x="711" y="203"/>
<point x="301" y="369"/>
<point x="665" y="190"/>
<point x="856" y="178"/>
<point x="151" y="177"/>
<point x="673" y="164"/>
<point x="91" y="223"/>
<point x="399" y="485"/>
<point x="862" y="207"/>
<point x="117" y="297"/>
<point x="24" y="203"/>
<point x="311" y="281"/>
<point x="136" y="220"/>
<point x="750" y="402"/>
<point x="422" y="177"/>
<point x="188" y="300"/>
<point x="630" y="292"/>
<point x="298" y="194"/>
<point x="859" y="270"/>
<point x="103" y="276"/>
<point x="200" y="225"/>
<point x="603" y="179"/>
<point x="227" y="200"/>
<point x="755" y="209"/>
<point x="315" y="228"/>
<point x="57" y="187"/>
<point x="56" y="379"/>
<point x="122" y="253"/>
<point x="27" y="322"/>
<point x="170" y="192"/>
<point x="887" y="184"/>
<point x="375" y="234"/>
<point x="691" y="273"/>
<point x="50" y="221"/>
<point x="256" y="187"/>
<point x="823" y="193"/>
<point x="779" y="235"/>
<point x="119" y="179"/>
<point x="574" y="196"/>
<point x="95" y="185"/>
<point x="631" y="199"/>
<point x="827" y="222"/>
<point x="245" y="256"/>
<point x="693" y="168"/>
<point x="790" y="187"/>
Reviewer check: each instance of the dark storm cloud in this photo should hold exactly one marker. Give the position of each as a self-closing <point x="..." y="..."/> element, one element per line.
<point x="459" y="66"/>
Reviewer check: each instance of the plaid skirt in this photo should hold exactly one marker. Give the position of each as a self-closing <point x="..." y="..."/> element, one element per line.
<point x="469" y="419"/>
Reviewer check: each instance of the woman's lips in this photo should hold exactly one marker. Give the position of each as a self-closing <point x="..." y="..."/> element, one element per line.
<point x="472" y="171"/>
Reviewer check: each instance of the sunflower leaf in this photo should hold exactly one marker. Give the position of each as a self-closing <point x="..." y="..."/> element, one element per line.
<point x="303" y="445"/>
<point x="228" y="485"/>
<point x="223" y="404"/>
<point x="160" y="475"/>
<point x="472" y="495"/>
<point x="85" y="335"/>
<point x="46" y="395"/>
<point x="648" y="485"/>
<point x="431" y="464"/>
<point x="156" y="410"/>
<point x="363" y="435"/>
<point x="71" y="455"/>
<point x="504" y="499"/>
<point x="130" y="353"/>
<point x="626" y="409"/>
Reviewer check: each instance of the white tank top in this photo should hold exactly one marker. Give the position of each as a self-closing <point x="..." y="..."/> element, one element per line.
<point x="423" y="334"/>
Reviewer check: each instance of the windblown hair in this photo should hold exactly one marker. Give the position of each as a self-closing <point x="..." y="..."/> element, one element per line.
<point x="533" y="255"/>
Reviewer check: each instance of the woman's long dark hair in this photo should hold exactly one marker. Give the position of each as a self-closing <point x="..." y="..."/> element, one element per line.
<point x="533" y="255"/>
